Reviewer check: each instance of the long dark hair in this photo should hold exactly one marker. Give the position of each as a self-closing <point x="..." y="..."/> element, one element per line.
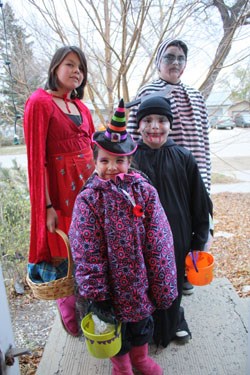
<point x="58" y="57"/>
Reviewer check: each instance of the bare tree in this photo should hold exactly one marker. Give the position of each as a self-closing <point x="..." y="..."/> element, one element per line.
<point x="121" y="38"/>
<point x="232" y="18"/>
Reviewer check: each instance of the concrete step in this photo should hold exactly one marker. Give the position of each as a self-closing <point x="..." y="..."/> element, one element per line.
<point x="217" y="318"/>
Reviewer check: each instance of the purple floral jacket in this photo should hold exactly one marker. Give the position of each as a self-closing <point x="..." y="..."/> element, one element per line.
<point x="120" y="254"/>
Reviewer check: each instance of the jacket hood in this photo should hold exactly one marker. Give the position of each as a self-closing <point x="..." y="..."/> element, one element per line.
<point x="97" y="183"/>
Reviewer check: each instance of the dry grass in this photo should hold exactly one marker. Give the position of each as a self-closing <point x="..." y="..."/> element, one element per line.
<point x="13" y="150"/>
<point x="219" y="178"/>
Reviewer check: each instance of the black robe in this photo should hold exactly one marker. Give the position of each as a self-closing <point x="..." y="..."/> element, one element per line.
<point x="173" y="171"/>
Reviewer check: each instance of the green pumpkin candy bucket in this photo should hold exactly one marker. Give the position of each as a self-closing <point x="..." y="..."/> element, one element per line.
<point x="104" y="345"/>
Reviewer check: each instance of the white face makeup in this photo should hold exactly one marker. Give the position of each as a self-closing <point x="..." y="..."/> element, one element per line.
<point x="154" y="130"/>
<point x="172" y="64"/>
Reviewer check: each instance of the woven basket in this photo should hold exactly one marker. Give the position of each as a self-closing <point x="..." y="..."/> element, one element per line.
<point x="59" y="288"/>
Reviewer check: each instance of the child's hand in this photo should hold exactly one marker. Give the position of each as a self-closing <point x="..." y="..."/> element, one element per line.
<point x="52" y="220"/>
<point x="104" y="311"/>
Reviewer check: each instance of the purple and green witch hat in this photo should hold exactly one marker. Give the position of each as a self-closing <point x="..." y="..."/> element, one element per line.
<point x="115" y="138"/>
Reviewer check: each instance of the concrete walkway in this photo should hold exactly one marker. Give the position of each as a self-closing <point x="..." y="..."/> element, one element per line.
<point x="219" y="322"/>
<point x="239" y="187"/>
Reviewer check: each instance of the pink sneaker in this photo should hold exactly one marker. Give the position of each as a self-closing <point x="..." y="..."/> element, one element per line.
<point x="67" y="309"/>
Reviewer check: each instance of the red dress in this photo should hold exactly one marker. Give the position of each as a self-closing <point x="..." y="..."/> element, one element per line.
<point x="55" y="144"/>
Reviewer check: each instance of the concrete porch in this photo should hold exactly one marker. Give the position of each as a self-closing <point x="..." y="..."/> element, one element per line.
<point x="217" y="318"/>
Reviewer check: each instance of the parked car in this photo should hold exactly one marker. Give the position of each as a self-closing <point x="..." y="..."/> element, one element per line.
<point x="242" y="119"/>
<point x="224" y="122"/>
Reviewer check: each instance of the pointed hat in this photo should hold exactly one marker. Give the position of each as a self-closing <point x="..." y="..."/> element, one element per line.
<point x="115" y="138"/>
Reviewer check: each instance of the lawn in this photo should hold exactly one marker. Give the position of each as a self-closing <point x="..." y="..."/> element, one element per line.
<point x="13" y="150"/>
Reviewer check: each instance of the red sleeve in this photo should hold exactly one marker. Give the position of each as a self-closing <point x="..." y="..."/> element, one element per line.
<point x="36" y="120"/>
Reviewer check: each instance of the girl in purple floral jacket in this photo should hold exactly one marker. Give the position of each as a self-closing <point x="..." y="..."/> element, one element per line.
<point x="122" y="247"/>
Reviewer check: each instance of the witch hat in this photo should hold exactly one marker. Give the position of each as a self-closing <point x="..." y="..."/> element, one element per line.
<point x="115" y="138"/>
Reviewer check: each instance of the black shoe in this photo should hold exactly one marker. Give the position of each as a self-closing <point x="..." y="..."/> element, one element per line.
<point x="187" y="287"/>
<point x="182" y="333"/>
<point x="182" y="336"/>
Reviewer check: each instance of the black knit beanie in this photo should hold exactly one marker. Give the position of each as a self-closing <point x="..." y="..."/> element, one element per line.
<point x="156" y="105"/>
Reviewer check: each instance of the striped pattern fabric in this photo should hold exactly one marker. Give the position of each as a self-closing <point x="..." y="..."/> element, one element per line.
<point x="116" y="130"/>
<point x="118" y="121"/>
<point x="190" y="124"/>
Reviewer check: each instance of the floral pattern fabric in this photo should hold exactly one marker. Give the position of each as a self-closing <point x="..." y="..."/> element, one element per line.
<point x="118" y="255"/>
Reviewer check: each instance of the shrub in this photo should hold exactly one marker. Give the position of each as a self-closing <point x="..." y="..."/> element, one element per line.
<point x="14" y="222"/>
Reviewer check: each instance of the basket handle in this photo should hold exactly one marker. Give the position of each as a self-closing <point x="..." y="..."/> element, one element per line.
<point x="70" y="259"/>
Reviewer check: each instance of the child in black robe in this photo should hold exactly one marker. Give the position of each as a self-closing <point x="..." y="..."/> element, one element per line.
<point x="173" y="171"/>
